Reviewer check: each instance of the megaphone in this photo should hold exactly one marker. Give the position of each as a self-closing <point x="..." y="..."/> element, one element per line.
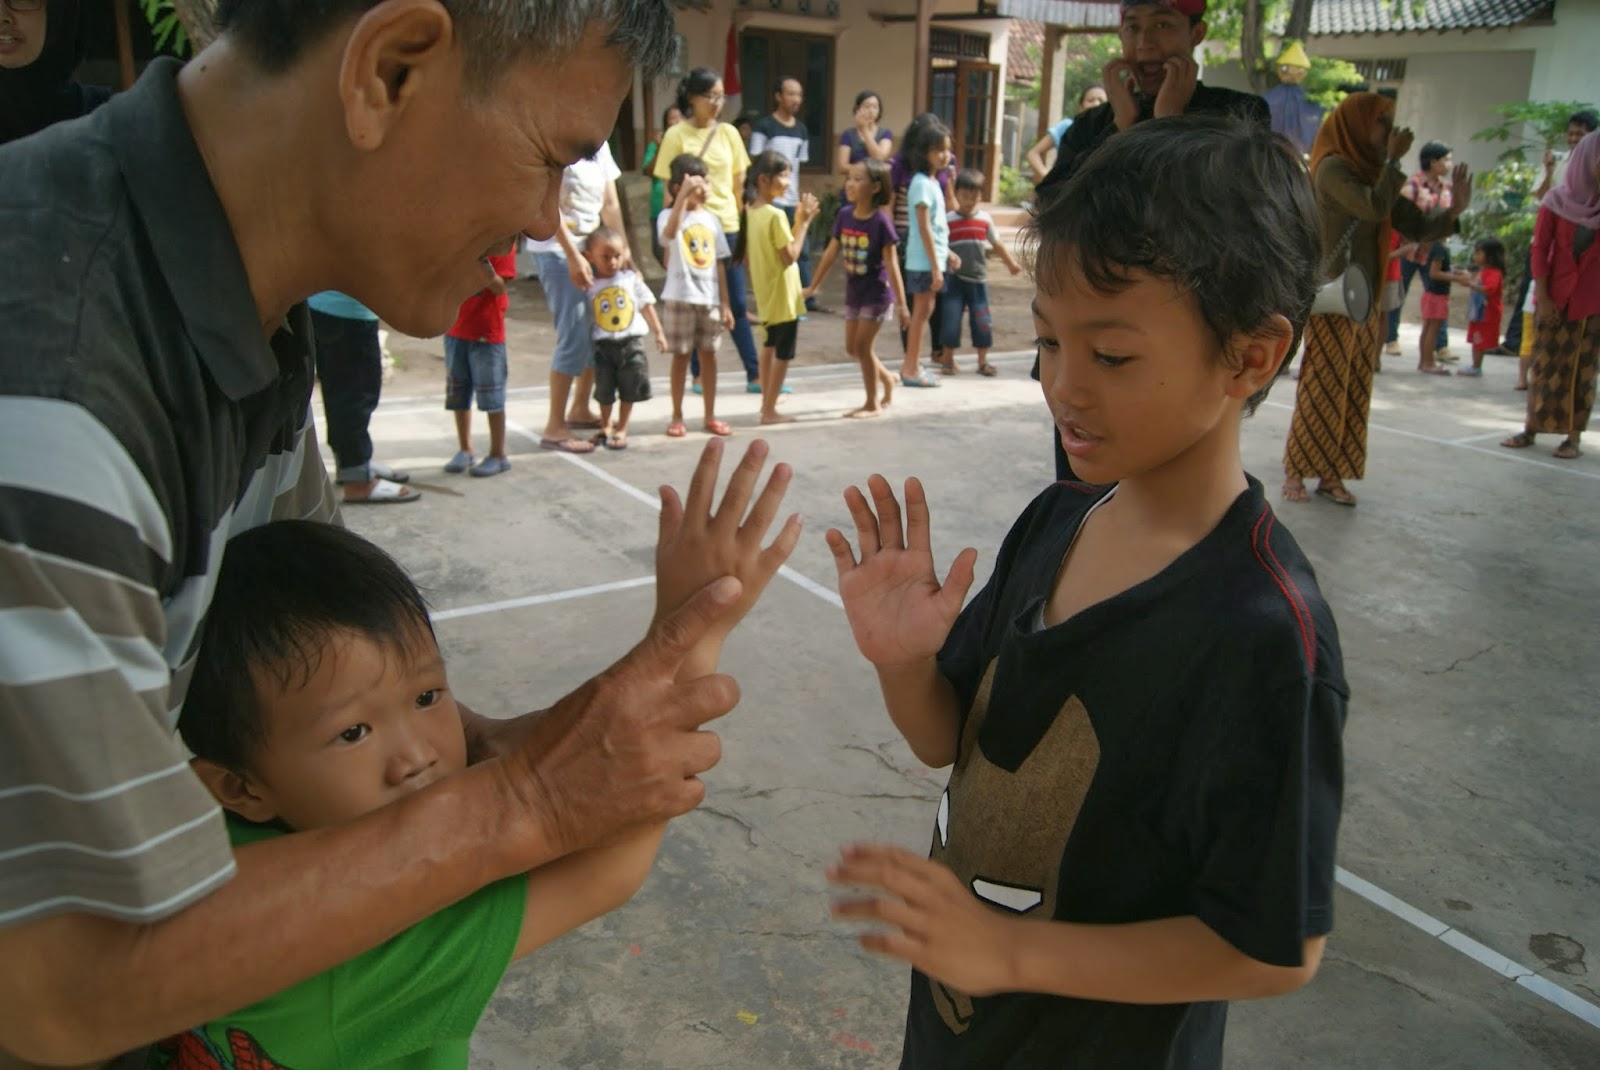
<point x="1348" y="295"/>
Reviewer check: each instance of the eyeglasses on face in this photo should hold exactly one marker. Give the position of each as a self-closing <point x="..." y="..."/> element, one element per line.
<point x="22" y="6"/>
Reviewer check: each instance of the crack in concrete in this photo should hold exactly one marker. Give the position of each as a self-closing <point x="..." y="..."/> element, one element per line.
<point x="904" y="774"/>
<point x="767" y="793"/>
<point x="1459" y="662"/>
<point x="1477" y="794"/>
<point x="1375" y="972"/>
<point x="749" y="830"/>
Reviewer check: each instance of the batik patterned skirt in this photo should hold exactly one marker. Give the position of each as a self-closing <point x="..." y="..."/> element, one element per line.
<point x="1328" y="433"/>
<point x="1561" y="377"/>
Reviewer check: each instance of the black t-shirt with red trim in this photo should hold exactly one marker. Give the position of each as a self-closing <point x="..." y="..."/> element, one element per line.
<point x="1172" y="751"/>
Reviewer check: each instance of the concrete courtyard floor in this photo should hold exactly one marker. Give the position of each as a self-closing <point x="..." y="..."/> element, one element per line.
<point x="1465" y="586"/>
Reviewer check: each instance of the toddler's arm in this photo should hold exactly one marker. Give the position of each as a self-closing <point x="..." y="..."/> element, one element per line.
<point x="654" y="321"/>
<point x="1004" y="253"/>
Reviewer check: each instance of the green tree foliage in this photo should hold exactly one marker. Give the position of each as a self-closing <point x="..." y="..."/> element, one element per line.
<point x="1539" y="124"/>
<point x="165" y="26"/>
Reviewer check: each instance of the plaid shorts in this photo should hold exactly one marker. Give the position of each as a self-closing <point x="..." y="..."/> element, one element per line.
<point x="691" y="328"/>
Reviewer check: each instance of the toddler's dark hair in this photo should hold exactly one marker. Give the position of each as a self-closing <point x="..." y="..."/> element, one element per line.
<point x="1494" y="253"/>
<point x="284" y="590"/>
<point x="1431" y="152"/>
<point x="878" y="177"/>
<point x="967" y="178"/>
<point x="1219" y="206"/>
<point x="922" y="134"/>
<point x="602" y="233"/>
<point x="684" y="165"/>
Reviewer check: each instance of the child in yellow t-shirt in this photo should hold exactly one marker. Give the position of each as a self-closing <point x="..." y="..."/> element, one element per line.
<point x="773" y="249"/>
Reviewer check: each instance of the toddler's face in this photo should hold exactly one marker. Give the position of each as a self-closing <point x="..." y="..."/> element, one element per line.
<point x="605" y="256"/>
<point x="967" y="200"/>
<point x="369" y="726"/>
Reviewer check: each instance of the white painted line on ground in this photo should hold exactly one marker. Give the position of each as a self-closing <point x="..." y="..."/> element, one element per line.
<point x="1484" y="437"/>
<point x="1482" y="954"/>
<point x="542" y="599"/>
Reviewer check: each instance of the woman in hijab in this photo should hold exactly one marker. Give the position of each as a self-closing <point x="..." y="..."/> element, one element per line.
<point x="1355" y="172"/>
<point x="41" y="44"/>
<point x="1566" y="301"/>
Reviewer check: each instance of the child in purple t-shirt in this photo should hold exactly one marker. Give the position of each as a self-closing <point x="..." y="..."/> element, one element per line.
<point x="866" y="239"/>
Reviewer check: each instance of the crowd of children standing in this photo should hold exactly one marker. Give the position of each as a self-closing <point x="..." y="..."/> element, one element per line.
<point x="909" y="236"/>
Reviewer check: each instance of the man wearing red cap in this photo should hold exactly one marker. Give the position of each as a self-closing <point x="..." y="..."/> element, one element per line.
<point x="1155" y="77"/>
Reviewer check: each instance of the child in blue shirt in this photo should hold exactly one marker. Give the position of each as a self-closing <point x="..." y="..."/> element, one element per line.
<point x="927" y="243"/>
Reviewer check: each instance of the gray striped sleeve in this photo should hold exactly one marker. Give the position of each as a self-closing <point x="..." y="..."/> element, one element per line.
<point x="98" y="809"/>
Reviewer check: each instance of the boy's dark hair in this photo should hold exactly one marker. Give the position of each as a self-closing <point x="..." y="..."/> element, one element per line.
<point x="284" y="589"/>
<point x="276" y="33"/>
<point x="1219" y="206"/>
<point x="1494" y="253"/>
<point x="922" y="134"/>
<point x="1432" y="151"/>
<point x="967" y="178"/>
<point x="684" y="165"/>
<point x="1586" y="119"/>
<point x="878" y="176"/>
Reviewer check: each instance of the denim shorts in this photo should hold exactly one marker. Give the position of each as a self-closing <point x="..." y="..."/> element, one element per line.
<point x="474" y="367"/>
<point x="569" y="305"/>
<point x="919" y="282"/>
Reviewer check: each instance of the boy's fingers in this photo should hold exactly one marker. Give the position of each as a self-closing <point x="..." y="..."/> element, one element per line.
<point x="919" y="535"/>
<point x="765" y="511"/>
<point x="866" y="523"/>
<point x="671" y="515"/>
<point x="773" y="557"/>
<point x="889" y="531"/>
<point x="703" y="484"/>
<point x="844" y="559"/>
<point x="740" y="485"/>
<point x="958" y="581"/>
<point x="671" y="638"/>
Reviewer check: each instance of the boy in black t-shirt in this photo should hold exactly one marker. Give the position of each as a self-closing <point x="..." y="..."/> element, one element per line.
<point x="1144" y="704"/>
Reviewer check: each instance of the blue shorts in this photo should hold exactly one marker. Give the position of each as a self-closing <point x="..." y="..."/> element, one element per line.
<point x="919" y="282"/>
<point x="474" y="367"/>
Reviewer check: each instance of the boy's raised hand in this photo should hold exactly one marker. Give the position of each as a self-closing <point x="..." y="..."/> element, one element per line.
<point x="897" y="608"/>
<point x="698" y="544"/>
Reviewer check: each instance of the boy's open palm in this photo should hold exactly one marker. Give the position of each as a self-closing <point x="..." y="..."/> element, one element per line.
<point x="897" y="608"/>
<point x="698" y="545"/>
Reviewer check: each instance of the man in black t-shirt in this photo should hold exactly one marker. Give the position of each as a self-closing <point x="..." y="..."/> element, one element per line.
<point x="1143" y="707"/>
<point x="785" y="133"/>
<point x="1155" y="77"/>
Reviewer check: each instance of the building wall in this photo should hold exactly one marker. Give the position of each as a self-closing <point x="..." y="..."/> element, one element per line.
<point x="867" y="55"/>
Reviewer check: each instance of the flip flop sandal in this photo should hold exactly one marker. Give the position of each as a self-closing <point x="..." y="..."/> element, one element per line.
<point x="584" y="425"/>
<point x="1567" y="451"/>
<point x="566" y="445"/>
<point x="716" y="427"/>
<point x="1519" y="441"/>
<point x="386" y="492"/>
<point x="617" y="442"/>
<point x="988" y="370"/>
<point x="921" y="380"/>
<point x="1338" y="496"/>
<point x="677" y="430"/>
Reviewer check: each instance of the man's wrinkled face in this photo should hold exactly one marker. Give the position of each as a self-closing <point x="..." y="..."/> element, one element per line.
<point x="468" y="170"/>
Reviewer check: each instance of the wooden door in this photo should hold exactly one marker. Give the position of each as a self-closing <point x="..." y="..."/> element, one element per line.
<point x="966" y="95"/>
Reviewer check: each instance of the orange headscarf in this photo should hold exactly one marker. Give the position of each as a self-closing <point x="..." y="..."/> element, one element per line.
<point x="1347" y="134"/>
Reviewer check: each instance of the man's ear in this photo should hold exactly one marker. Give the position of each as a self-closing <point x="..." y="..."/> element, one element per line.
<point x="234" y="791"/>
<point x="394" y="51"/>
<point x="1258" y="355"/>
<point x="1197" y="33"/>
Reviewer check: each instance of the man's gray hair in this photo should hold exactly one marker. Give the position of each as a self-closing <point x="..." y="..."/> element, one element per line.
<point x="493" y="32"/>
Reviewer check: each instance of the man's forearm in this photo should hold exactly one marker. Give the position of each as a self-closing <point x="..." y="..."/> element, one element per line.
<point x="77" y="987"/>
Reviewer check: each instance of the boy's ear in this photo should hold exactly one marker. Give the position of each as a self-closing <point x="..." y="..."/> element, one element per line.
<point x="234" y="791"/>
<point x="1258" y="355"/>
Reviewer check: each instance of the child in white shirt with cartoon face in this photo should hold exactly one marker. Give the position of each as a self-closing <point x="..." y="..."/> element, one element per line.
<point x="622" y="306"/>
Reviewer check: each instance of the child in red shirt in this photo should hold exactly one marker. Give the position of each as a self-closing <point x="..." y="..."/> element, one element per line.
<point x="475" y="363"/>
<point x="1483" y="316"/>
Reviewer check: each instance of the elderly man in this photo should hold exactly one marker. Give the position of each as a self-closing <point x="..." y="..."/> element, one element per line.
<point x="155" y="376"/>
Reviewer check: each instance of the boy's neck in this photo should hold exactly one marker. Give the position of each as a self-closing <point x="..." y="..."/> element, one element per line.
<point x="1188" y="496"/>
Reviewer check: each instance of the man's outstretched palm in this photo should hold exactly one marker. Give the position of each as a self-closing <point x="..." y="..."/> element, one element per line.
<point x="898" y="610"/>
